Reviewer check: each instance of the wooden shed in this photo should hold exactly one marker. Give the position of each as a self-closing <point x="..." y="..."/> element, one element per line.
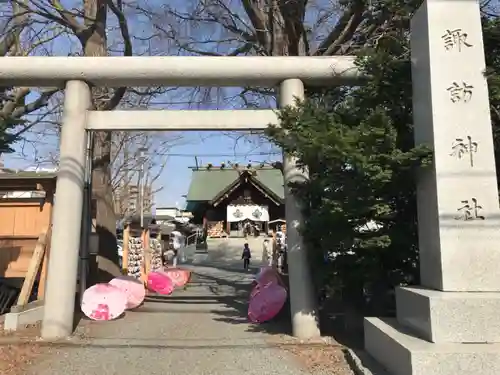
<point x="26" y="200"/>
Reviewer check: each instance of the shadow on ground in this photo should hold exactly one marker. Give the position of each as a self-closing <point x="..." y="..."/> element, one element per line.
<point x="238" y="310"/>
<point x="336" y="321"/>
<point x="345" y="326"/>
<point x="235" y="305"/>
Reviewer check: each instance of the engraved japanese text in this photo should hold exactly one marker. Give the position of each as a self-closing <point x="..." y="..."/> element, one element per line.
<point x="470" y="210"/>
<point x="463" y="147"/>
<point x="460" y="92"/>
<point x="455" y="39"/>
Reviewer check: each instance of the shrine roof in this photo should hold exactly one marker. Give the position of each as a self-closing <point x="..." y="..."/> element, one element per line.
<point x="206" y="184"/>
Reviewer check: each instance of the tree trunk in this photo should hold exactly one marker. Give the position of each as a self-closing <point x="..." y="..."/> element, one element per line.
<point x="279" y="26"/>
<point x="95" y="44"/>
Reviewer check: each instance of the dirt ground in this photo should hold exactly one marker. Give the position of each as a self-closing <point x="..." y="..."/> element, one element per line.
<point x="321" y="356"/>
<point x="15" y="357"/>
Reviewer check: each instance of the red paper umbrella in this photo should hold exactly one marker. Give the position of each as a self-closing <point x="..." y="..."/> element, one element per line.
<point x="266" y="302"/>
<point x="133" y="288"/>
<point x="179" y="276"/>
<point x="159" y="282"/>
<point x="103" y="302"/>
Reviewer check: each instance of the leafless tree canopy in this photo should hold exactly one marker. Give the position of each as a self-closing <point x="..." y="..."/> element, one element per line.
<point x="270" y="27"/>
<point x="86" y="28"/>
<point x="193" y="27"/>
<point x="282" y="27"/>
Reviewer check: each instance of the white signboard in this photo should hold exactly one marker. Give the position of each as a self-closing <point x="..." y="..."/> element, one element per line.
<point x="237" y="213"/>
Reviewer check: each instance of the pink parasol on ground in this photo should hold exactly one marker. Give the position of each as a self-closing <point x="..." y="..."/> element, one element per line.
<point x="159" y="282"/>
<point x="133" y="288"/>
<point x="266" y="302"/>
<point x="179" y="276"/>
<point x="267" y="275"/>
<point x="103" y="302"/>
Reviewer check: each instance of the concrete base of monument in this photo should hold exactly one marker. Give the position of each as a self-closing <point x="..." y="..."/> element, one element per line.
<point x="444" y="317"/>
<point x="402" y="353"/>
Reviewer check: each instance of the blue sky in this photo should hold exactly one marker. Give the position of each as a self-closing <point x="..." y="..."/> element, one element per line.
<point x="173" y="182"/>
<point x="211" y="147"/>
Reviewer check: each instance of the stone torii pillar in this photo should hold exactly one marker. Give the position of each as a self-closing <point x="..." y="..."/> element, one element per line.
<point x="450" y="325"/>
<point x="67" y="215"/>
<point x="302" y="298"/>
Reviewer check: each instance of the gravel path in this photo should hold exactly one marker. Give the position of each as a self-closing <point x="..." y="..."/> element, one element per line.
<point x="198" y="331"/>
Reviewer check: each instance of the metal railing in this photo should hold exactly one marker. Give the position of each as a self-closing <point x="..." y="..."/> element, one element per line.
<point x="188" y="251"/>
<point x="193" y="238"/>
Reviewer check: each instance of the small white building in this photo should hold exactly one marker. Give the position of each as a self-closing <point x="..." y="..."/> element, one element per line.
<point x="174" y="212"/>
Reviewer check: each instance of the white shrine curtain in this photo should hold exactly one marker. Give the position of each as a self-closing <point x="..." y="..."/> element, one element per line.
<point x="237" y="213"/>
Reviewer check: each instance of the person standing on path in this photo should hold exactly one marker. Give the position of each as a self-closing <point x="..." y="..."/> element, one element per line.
<point x="267" y="256"/>
<point x="177" y="243"/>
<point x="281" y="248"/>
<point x="247" y="228"/>
<point x="246" y="256"/>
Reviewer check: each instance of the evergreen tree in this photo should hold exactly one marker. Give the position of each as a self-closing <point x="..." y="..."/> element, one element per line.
<point x="357" y="143"/>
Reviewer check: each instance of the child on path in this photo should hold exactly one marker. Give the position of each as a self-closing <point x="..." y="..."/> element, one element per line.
<point x="246" y="256"/>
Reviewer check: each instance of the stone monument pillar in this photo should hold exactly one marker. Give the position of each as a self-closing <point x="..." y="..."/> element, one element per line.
<point x="450" y="325"/>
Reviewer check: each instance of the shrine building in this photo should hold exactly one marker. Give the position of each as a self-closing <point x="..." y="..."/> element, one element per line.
<point x="223" y="198"/>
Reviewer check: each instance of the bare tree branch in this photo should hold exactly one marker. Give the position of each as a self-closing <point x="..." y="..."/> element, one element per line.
<point x="344" y="29"/>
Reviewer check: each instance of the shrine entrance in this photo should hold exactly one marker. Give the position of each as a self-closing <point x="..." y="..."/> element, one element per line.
<point x="78" y="74"/>
<point x="457" y="199"/>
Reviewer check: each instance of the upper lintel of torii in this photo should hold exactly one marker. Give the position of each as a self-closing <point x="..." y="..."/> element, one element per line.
<point x="237" y="71"/>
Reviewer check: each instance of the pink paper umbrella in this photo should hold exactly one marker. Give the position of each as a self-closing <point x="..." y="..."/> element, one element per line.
<point x="133" y="288"/>
<point x="103" y="302"/>
<point x="267" y="275"/>
<point x="159" y="282"/>
<point x="266" y="302"/>
<point x="179" y="276"/>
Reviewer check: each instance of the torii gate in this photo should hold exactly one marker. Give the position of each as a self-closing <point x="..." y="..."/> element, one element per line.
<point x="78" y="74"/>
